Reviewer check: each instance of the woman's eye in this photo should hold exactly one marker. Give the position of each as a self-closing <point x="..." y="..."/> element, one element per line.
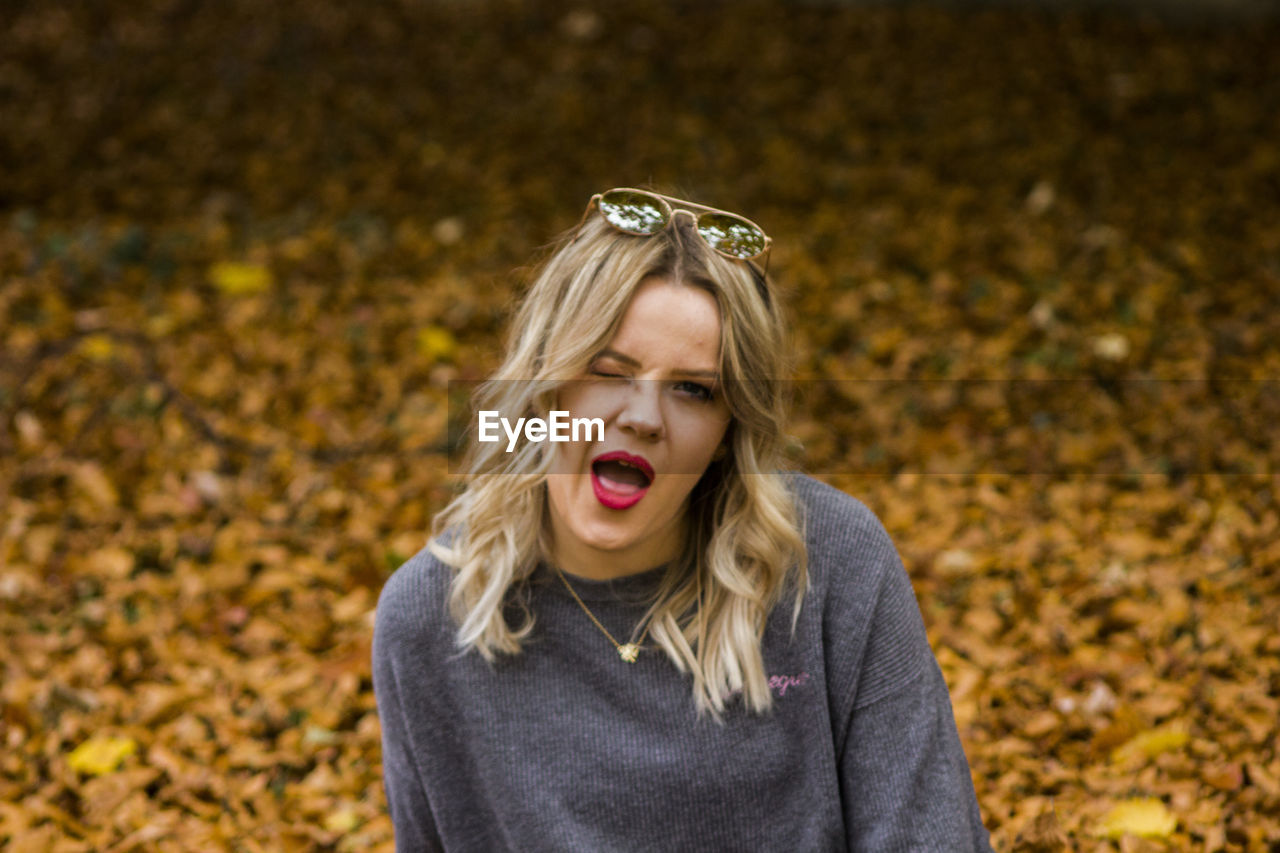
<point x="696" y="390"/>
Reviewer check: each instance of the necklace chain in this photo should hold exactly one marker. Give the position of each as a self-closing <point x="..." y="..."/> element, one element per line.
<point x="626" y="651"/>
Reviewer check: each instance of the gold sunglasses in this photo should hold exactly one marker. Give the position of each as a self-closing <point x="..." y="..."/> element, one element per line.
<point x="645" y="214"/>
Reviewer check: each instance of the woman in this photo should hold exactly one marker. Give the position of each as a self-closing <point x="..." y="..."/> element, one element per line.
<point x="651" y="638"/>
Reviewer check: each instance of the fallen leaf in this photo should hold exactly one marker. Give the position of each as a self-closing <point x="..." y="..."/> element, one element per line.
<point x="96" y="347"/>
<point x="342" y="820"/>
<point x="112" y="562"/>
<point x="1224" y="777"/>
<point x="448" y="231"/>
<point x="1045" y="835"/>
<point x="1147" y="817"/>
<point x="1151" y="743"/>
<point x="236" y="279"/>
<point x="101" y="755"/>
<point x="95" y="485"/>
<point x="1111" y="347"/>
<point x="436" y="343"/>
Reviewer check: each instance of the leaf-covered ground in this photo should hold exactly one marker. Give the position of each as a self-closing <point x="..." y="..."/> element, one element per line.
<point x="1034" y="264"/>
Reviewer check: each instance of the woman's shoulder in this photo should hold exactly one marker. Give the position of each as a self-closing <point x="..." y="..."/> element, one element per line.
<point x="851" y="558"/>
<point x="869" y="609"/>
<point x="414" y="601"/>
<point x="835" y="520"/>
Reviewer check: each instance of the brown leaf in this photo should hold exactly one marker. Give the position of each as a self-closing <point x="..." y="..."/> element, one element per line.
<point x="1045" y="835"/>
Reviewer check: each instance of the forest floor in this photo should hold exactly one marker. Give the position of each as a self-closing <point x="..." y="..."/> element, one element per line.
<point x="1033" y="259"/>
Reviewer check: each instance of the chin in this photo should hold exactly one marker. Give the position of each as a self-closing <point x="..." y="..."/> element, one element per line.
<point x="605" y="540"/>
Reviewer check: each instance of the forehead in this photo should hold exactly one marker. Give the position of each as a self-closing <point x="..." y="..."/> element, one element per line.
<point x="675" y="324"/>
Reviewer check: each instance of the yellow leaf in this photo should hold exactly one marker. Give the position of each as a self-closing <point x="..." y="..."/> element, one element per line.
<point x="1146" y="816"/>
<point x="96" y="347"/>
<point x="1149" y="744"/>
<point x="240" y="279"/>
<point x="435" y="343"/>
<point x="343" y="820"/>
<point x="101" y="755"/>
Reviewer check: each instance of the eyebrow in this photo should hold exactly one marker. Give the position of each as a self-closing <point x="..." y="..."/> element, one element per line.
<point x="631" y="362"/>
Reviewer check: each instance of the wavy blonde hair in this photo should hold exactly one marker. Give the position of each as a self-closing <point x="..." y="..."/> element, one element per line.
<point x="745" y="545"/>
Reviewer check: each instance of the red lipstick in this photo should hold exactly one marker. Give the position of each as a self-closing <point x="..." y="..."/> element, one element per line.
<point x="620" y="479"/>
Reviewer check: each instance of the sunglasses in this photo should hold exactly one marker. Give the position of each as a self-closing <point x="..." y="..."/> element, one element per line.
<point x="645" y="214"/>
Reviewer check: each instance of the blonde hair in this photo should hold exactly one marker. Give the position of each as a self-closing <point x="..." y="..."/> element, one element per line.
<point x="745" y="545"/>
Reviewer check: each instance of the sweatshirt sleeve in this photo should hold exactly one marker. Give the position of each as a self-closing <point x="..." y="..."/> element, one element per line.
<point x="395" y="637"/>
<point x="903" y="772"/>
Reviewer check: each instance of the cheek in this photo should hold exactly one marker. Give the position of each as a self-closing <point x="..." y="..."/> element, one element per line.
<point x="702" y="434"/>
<point x="568" y="458"/>
<point x="560" y="494"/>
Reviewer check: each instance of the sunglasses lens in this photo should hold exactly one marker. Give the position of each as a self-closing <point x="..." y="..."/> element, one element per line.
<point x="731" y="235"/>
<point x="632" y="212"/>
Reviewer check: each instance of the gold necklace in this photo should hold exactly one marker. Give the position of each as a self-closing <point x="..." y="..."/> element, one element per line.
<point x="626" y="651"/>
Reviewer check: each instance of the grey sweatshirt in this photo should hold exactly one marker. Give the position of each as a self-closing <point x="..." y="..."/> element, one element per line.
<point x="566" y="747"/>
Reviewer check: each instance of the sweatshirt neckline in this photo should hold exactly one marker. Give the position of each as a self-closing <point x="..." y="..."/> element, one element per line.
<point x="629" y="589"/>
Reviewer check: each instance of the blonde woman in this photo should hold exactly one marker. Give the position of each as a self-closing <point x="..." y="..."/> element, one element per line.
<point x="645" y="635"/>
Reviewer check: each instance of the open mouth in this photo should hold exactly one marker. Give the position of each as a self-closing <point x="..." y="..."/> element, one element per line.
<point x="619" y="479"/>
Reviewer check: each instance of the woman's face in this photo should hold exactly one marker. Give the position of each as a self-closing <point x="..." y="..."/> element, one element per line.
<point x="618" y="505"/>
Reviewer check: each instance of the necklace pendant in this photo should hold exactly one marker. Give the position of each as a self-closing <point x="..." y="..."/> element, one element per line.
<point x="628" y="652"/>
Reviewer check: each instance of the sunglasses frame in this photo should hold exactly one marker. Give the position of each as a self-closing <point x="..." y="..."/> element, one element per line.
<point x="670" y="212"/>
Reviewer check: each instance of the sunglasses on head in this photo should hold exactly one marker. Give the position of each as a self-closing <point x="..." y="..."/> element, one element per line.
<point x="645" y="214"/>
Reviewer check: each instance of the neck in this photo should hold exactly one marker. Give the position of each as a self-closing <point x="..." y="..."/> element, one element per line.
<point x="603" y="566"/>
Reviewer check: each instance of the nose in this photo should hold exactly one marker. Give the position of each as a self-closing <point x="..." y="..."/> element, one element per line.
<point x="641" y="412"/>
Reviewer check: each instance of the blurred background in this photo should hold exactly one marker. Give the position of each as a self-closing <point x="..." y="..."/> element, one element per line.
<point x="245" y="247"/>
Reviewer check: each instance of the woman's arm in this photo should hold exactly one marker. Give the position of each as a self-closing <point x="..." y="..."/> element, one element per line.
<point x="393" y="637"/>
<point x="904" y="777"/>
